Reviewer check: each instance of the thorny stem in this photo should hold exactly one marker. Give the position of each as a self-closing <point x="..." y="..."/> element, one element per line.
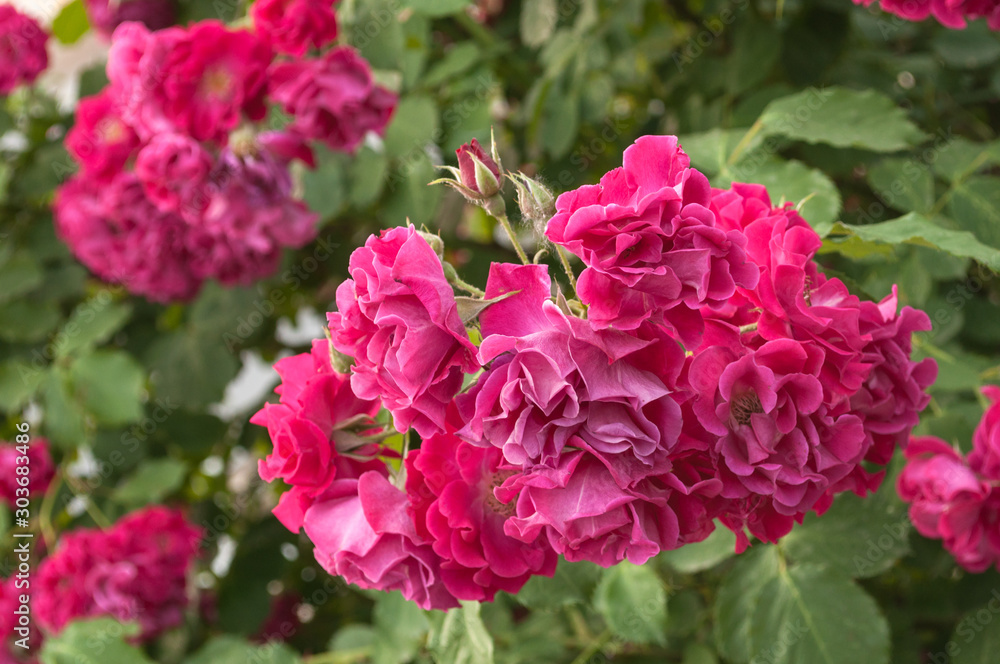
<point x="564" y="259"/>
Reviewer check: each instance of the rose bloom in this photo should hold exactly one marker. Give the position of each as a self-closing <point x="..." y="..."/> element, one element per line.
<point x="293" y="26"/>
<point x="985" y="456"/>
<point x="22" y="49"/>
<point x="398" y="319"/>
<point x="100" y="140"/>
<point x="106" y="15"/>
<point x="333" y="98"/>
<point x="38" y="460"/>
<point x="652" y="246"/>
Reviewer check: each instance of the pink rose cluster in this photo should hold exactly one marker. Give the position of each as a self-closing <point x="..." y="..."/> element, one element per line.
<point x="22" y="49"/>
<point x="38" y="474"/>
<point x="180" y="179"/>
<point x="956" y="498"/>
<point x="709" y="371"/>
<point x="136" y="571"/>
<point x="106" y="15"/>
<point x="950" y="13"/>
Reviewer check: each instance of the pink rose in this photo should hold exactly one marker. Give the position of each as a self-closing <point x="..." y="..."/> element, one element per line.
<point x="333" y="98"/>
<point x="399" y="321"/>
<point x="99" y="139"/>
<point x="948" y="501"/>
<point x="554" y="382"/>
<point x="38" y="460"/>
<point x="985" y="456"/>
<point x="451" y="486"/>
<point x="310" y="427"/>
<point x="293" y="26"/>
<point x="650" y="242"/>
<point x="22" y="49"/>
<point x="200" y="80"/>
<point x="135" y="571"/>
<point x="363" y="532"/>
<point x="172" y="169"/>
<point x="105" y="16"/>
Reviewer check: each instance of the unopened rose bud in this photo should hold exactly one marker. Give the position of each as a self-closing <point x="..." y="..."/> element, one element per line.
<point x="478" y="171"/>
<point x="536" y="202"/>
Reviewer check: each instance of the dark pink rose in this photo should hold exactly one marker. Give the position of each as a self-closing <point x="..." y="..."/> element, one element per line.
<point x="106" y="15"/>
<point x="363" y="532"/>
<point x="399" y="321"/>
<point x="99" y="139"/>
<point x="950" y="13"/>
<point x="136" y="571"/>
<point x="22" y="49"/>
<point x="483" y="181"/>
<point x="948" y="501"/>
<point x="318" y="418"/>
<point x="554" y="382"/>
<point x="650" y="242"/>
<point x="199" y="81"/>
<point x="451" y="487"/>
<point x="985" y="455"/>
<point x="333" y="98"/>
<point x="40" y="467"/>
<point x="173" y="168"/>
<point x="293" y="26"/>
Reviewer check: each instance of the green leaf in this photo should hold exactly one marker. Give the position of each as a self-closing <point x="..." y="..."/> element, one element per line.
<point x="219" y="310"/>
<point x="413" y="127"/>
<point x="904" y="184"/>
<point x="858" y="537"/>
<point x="231" y="650"/>
<point x="400" y="628"/>
<point x="975" y="46"/>
<point x="64" y="416"/>
<point x="976" y="639"/>
<point x="20" y="274"/>
<point x="813" y="614"/>
<point x="633" y="603"/>
<point x="153" y="480"/>
<point x="110" y="385"/>
<point x="92" y="323"/>
<point x="737" y="597"/>
<point x="437" y="7"/>
<point x="710" y="150"/>
<point x="696" y="653"/>
<point x="71" y="23"/>
<point x="974" y="204"/>
<point x="560" y="121"/>
<point x="460" y="637"/>
<point x="700" y="556"/>
<point x="459" y="59"/>
<point x="756" y="47"/>
<point x="96" y="641"/>
<point x="324" y="187"/>
<point x="538" y="21"/>
<point x="367" y="176"/>
<point x="958" y="157"/>
<point x="28" y="320"/>
<point x="915" y="229"/>
<point x="842" y="118"/>
<point x="189" y="370"/>
<point x="19" y="380"/>
<point x="572" y="583"/>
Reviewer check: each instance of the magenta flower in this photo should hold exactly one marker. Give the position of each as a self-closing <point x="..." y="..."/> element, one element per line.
<point x="948" y="501"/>
<point x="136" y="571"/>
<point x="950" y="13"/>
<point x="777" y="438"/>
<point x="484" y="180"/>
<point x="333" y="98"/>
<point x="106" y="15"/>
<point x="22" y="49"/>
<point x="650" y="242"/>
<point x="173" y="169"/>
<point x="293" y="26"/>
<point x="41" y="470"/>
<point x="451" y="486"/>
<point x="99" y="139"/>
<point x="554" y="382"/>
<point x="199" y="81"/>
<point x="399" y="321"/>
<point x="309" y="427"/>
<point x="122" y="237"/>
<point x="985" y="455"/>
<point x="363" y="532"/>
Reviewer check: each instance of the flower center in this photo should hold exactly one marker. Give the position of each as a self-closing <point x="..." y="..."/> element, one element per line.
<point x="217" y="83"/>
<point x="503" y="509"/>
<point x="745" y="406"/>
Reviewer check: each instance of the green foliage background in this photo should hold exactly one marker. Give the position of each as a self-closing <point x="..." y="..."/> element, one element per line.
<point x="882" y="130"/>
